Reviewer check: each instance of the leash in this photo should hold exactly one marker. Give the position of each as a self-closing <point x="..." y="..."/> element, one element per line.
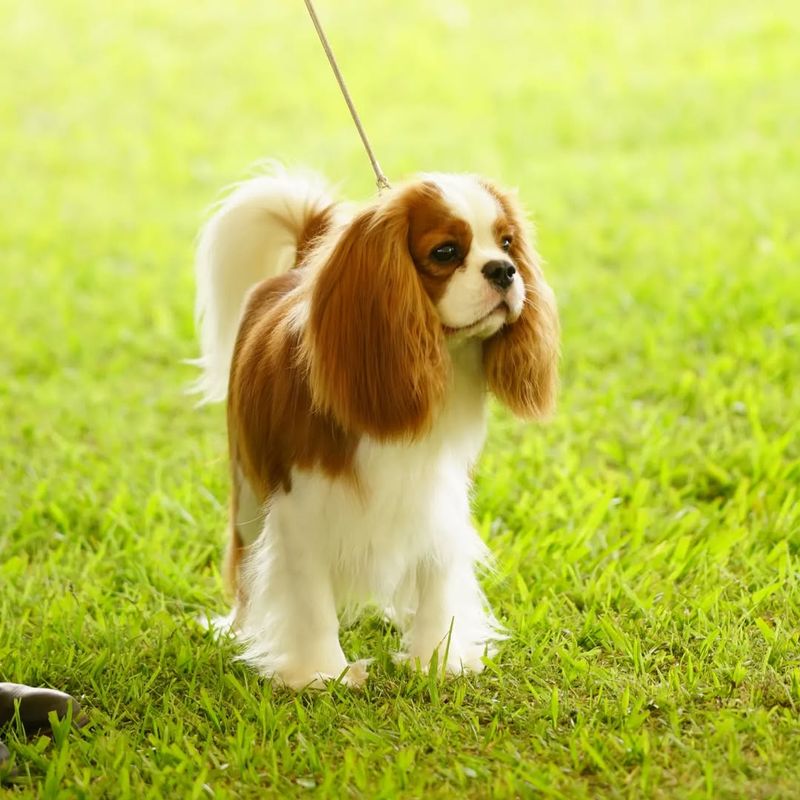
<point x="380" y="178"/>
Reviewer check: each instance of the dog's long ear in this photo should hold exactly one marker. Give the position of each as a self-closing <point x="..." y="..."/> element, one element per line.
<point x="521" y="360"/>
<point x="374" y="342"/>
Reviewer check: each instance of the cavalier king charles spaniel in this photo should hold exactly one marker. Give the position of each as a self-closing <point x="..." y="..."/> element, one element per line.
<point x="356" y="349"/>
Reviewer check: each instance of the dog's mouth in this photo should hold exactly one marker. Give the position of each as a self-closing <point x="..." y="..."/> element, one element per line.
<point x="473" y="327"/>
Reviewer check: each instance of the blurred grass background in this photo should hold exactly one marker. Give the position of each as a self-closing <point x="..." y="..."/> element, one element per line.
<point x="648" y="538"/>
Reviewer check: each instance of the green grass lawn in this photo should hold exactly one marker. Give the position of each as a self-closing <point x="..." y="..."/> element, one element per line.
<point x="647" y="538"/>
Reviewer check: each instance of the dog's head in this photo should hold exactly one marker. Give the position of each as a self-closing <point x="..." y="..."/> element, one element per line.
<point x="436" y="263"/>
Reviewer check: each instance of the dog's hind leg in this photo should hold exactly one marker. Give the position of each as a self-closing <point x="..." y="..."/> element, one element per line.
<point x="246" y="522"/>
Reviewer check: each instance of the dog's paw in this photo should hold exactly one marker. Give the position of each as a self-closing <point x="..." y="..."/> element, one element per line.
<point x="468" y="662"/>
<point x="357" y="673"/>
<point x="220" y="626"/>
<point x="354" y="676"/>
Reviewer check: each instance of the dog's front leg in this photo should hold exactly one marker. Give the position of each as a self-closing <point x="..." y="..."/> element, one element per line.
<point x="452" y="618"/>
<point x="290" y="624"/>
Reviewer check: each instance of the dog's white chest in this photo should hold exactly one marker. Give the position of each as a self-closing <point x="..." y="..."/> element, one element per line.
<point x="411" y="501"/>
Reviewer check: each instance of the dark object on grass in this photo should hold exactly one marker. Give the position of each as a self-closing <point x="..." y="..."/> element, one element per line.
<point x="6" y="775"/>
<point x="34" y="706"/>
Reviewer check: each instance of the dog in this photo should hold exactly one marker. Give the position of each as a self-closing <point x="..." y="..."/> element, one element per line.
<point x="356" y="349"/>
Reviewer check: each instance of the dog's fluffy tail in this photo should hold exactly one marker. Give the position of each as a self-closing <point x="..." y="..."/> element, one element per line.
<point x="256" y="232"/>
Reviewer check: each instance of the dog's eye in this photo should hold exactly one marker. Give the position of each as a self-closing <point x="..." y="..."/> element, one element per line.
<point x="445" y="253"/>
<point x="506" y="243"/>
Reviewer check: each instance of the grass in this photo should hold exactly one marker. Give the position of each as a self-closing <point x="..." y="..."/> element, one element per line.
<point x="648" y="538"/>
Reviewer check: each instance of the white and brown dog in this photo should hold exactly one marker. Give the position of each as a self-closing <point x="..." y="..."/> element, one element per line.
<point x="356" y="351"/>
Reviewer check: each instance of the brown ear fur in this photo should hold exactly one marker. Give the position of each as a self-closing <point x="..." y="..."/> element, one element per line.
<point x="521" y="360"/>
<point x="376" y="348"/>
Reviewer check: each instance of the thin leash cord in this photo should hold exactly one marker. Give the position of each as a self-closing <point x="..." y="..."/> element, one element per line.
<point x="381" y="179"/>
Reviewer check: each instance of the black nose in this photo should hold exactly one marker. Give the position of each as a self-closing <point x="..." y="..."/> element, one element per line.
<point x="499" y="273"/>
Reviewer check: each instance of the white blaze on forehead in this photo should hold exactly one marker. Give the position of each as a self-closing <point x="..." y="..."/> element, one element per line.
<point x="470" y="201"/>
<point x="470" y="303"/>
